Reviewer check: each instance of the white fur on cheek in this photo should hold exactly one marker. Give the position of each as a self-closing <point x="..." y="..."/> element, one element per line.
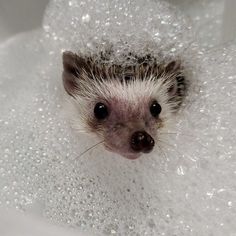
<point x="81" y="108"/>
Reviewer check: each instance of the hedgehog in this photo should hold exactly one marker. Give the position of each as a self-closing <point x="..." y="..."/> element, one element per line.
<point x="123" y="104"/>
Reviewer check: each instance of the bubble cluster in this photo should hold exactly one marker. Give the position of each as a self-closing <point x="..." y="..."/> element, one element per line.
<point x="185" y="188"/>
<point x="117" y="28"/>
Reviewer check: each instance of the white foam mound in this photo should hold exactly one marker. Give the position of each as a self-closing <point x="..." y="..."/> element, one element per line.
<point x="189" y="189"/>
<point x="117" y="26"/>
<point x="30" y="226"/>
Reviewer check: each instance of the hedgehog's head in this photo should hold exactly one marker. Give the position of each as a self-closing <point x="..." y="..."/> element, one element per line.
<point x="125" y="106"/>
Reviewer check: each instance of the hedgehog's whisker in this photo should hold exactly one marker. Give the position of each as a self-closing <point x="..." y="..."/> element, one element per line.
<point x="172" y="147"/>
<point x="81" y="131"/>
<point x="162" y="152"/>
<point x="90" y="148"/>
<point x="173" y="133"/>
<point x="187" y="135"/>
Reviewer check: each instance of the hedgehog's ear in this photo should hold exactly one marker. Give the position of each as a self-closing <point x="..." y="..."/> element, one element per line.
<point x="173" y="68"/>
<point x="73" y="66"/>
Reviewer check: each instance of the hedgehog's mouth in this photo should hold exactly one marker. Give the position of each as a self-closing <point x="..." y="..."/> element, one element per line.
<point x="126" y="154"/>
<point x="131" y="156"/>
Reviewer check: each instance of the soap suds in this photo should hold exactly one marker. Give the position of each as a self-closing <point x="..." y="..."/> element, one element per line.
<point x="189" y="190"/>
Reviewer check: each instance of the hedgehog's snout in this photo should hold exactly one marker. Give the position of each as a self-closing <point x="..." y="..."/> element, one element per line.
<point x="141" y="141"/>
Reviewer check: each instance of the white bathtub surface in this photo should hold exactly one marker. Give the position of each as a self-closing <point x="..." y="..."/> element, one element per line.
<point x="18" y="16"/>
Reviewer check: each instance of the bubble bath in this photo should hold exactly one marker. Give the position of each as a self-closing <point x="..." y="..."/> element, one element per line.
<point x="186" y="188"/>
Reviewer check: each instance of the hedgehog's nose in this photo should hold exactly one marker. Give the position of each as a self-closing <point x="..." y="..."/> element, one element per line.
<point x="142" y="142"/>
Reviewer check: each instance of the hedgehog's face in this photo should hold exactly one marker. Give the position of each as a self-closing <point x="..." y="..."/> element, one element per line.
<point x="127" y="113"/>
<point x="127" y="127"/>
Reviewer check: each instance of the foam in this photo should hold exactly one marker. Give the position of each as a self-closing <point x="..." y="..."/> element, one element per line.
<point x="189" y="190"/>
<point x="121" y="27"/>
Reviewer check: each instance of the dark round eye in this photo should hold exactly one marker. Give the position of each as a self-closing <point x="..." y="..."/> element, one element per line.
<point x="100" y="111"/>
<point x="155" y="109"/>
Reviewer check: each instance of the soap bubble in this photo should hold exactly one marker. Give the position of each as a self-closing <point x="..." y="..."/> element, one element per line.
<point x="118" y="27"/>
<point x="186" y="189"/>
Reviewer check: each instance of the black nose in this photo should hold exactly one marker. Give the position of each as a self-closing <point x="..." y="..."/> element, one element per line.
<point x="142" y="142"/>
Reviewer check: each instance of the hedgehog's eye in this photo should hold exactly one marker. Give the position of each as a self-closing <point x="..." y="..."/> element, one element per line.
<point x="155" y="109"/>
<point x="100" y="111"/>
